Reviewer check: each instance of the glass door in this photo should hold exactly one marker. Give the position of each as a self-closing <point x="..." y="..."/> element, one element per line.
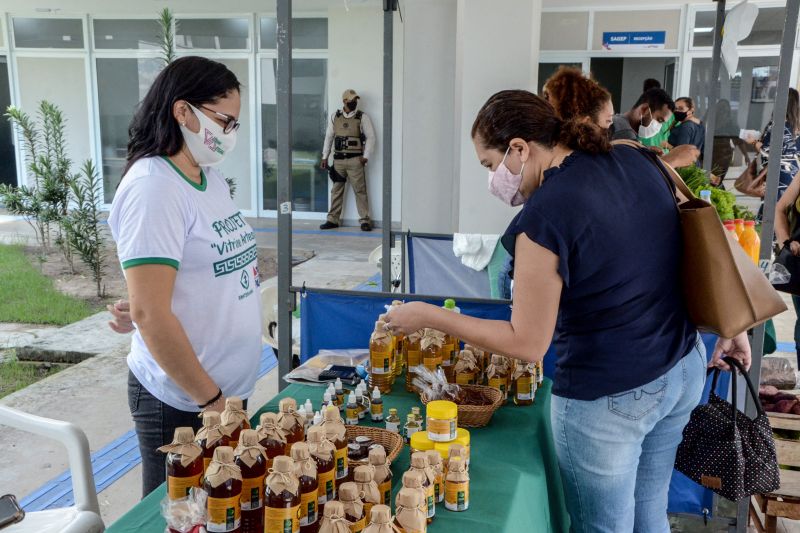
<point x="8" y="163"/>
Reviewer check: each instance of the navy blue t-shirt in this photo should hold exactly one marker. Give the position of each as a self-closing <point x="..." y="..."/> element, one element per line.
<point x="612" y="222"/>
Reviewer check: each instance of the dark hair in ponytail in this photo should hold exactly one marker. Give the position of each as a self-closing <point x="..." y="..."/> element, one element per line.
<point x="153" y="130"/>
<point x="515" y="113"/>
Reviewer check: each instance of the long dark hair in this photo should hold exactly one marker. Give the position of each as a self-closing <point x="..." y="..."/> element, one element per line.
<point x="516" y="113"/>
<point x="793" y="111"/>
<point x="153" y="130"/>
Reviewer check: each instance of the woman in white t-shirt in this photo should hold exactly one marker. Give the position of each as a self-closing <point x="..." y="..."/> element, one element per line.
<point x="188" y="255"/>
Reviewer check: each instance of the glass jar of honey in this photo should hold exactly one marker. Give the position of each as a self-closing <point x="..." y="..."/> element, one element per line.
<point x="184" y="463"/>
<point x="323" y="451"/>
<point x="282" y="511"/>
<point x="382" y="474"/>
<point x="306" y="471"/>
<point x="223" y="484"/>
<point x="210" y="436"/>
<point x="336" y="433"/>
<point x="271" y="436"/>
<point x="291" y="422"/>
<point x="234" y="419"/>
<point x="251" y="458"/>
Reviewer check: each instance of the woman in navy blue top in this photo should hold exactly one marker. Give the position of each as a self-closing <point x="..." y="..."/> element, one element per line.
<point x="596" y="251"/>
<point x="688" y="128"/>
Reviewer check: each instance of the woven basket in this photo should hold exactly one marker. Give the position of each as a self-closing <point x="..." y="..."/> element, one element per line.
<point x="476" y="416"/>
<point x="392" y="442"/>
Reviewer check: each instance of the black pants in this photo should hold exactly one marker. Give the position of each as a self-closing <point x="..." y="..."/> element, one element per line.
<point x="155" y="424"/>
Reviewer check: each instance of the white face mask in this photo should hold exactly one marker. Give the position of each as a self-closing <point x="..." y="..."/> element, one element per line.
<point x="211" y="144"/>
<point x="646" y="132"/>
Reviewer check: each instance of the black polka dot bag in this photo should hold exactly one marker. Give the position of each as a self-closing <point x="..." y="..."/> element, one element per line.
<point x="726" y="451"/>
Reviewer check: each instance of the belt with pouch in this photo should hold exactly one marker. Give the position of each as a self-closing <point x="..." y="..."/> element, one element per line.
<point x="347" y="156"/>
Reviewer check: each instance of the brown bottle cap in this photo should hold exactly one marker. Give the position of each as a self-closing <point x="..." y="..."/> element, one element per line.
<point x="412" y="479"/>
<point x="315" y="434"/>
<point x="363" y="474"/>
<point x="300" y="451"/>
<point x="408" y="498"/>
<point x="248" y="437"/>
<point x="234" y="402"/>
<point x="283" y="464"/>
<point x="381" y="514"/>
<point x="223" y="454"/>
<point x="184" y="446"/>
<point x="287" y="405"/>
<point x="348" y="491"/>
<point x="434" y="457"/>
<point x="210" y="419"/>
<point x="419" y="460"/>
<point x="183" y="436"/>
<point x="377" y="455"/>
<point x="334" y="509"/>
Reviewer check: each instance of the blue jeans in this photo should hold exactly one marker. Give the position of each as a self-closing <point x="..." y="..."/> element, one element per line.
<point x="616" y="454"/>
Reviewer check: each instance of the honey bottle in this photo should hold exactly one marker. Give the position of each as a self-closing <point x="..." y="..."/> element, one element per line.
<point x="305" y="468"/>
<point x="322" y="451"/>
<point x="414" y="480"/>
<point x="282" y="509"/>
<point x="435" y="462"/>
<point x="333" y="519"/>
<point x="380" y="520"/>
<point x="234" y="419"/>
<point x="413" y="358"/>
<point x="251" y="458"/>
<point x="466" y="369"/>
<point x="336" y="433"/>
<point x="376" y="406"/>
<point x="184" y="463"/>
<point x="223" y="484"/>
<point x="365" y="482"/>
<point x="539" y="374"/>
<point x="456" y="486"/>
<point x="523" y="384"/>
<point x="400" y="348"/>
<point x="431" y="348"/>
<point x="271" y="436"/>
<point x="411" y="427"/>
<point x="381" y="346"/>
<point x="351" y="410"/>
<point x="353" y="506"/>
<point x="393" y="421"/>
<point x="210" y="436"/>
<point x="291" y="422"/>
<point x="409" y="516"/>
<point x="419" y="463"/>
<point x="498" y="375"/>
<point x="417" y="416"/>
<point x="382" y="473"/>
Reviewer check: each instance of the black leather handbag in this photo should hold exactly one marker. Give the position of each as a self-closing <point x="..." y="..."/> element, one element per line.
<point x="792" y="264"/>
<point x="727" y="452"/>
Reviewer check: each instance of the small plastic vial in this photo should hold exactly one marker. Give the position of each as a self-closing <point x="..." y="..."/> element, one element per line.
<point x="351" y="410"/>
<point x="376" y="406"/>
<point x="411" y="427"/>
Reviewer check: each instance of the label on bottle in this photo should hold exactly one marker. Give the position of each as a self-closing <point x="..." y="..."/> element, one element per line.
<point x="281" y="519"/>
<point x="393" y="426"/>
<point x="252" y="493"/>
<point x="224" y="514"/>
<point x="524" y="388"/>
<point x="413" y="358"/>
<point x="308" y="508"/>
<point x="438" y="489"/>
<point x="429" y="497"/>
<point x="456" y="496"/>
<point x="441" y="430"/>
<point x="410" y="431"/>
<point x="381" y="362"/>
<point x="385" y="489"/>
<point x="178" y="487"/>
<point x="327" y="487"/>
<point x="498" y="383"/>
<point x="447" y="354"/>
<point x="377" y="412"/>
<point x="351" y="415"/>
<point x="365" y="405"/>
<point x="465" y="378"/>
<point x="358" y="527"/>
<point x="341" y="462"/>
<point x="431" y="362"/>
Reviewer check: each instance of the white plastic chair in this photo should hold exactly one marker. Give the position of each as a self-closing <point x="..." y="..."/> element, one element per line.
<point x="269" y="320"/>
<point x="84" y="516"/>
<point x="376" y="258"/>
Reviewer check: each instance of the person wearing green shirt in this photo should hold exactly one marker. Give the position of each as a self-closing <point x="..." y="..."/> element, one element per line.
<point x="661" y="137"/>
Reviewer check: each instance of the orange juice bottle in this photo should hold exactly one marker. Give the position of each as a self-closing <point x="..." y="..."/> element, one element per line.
<point x="739" y="225"/>
<point x="750" y="240"/>
<point x="731" y="228"/>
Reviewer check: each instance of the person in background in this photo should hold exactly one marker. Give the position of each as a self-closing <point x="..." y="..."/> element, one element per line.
<point x="574" y="96"/>
<point x="352" y="137"/>
<point x="650" y="83"/>
<point x="688" y="128"/>
<point x="647" y="134"/>
<point x="726" y="138"/>
<point x="588" y="278"/>
<point x="788" y="236"/>
<point x="645" y="118"/>
<point x="177" y="229"/>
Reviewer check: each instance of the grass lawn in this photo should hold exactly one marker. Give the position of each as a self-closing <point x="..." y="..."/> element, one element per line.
<point x="16" y="375"/>
<point x="26" y="295"/>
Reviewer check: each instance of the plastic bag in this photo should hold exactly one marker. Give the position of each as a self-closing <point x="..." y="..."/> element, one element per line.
<point x="187" y="515"/>
<point x="434" y="384"/>
<point x="778" y="372"/>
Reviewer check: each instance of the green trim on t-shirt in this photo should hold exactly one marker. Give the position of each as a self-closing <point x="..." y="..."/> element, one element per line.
<point x="150" y="261"/>
<point x="199" y="186"/>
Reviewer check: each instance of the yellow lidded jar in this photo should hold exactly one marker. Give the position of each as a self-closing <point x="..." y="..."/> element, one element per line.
<point x="441" y="421"/>
<point x="420" y="442"/>
<point x="463" y="438"/>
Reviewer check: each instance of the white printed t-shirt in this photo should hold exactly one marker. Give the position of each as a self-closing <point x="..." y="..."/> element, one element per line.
<point x="161" y="217"/>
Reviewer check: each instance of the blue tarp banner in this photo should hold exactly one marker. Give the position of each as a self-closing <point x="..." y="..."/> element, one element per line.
<point x="343" y="321"/>
<point x="434" y="269"/>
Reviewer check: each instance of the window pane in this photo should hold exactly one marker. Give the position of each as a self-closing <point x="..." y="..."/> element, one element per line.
<point x="126" y="34"/>
<point x="767" y="29"/>
<point x="48" y="33"/>
<point x="121" y="84"/>
<point x="307" y="33"/>
<point x="213" y="34"/>
<point x="309" y="121"/>
<point x="8" y="167"/>
<point x="237" y="165"/>
<point x="564" y="31"/>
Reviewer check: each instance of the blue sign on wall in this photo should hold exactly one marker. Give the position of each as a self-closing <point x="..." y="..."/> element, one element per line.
<point x="634" y="40"/>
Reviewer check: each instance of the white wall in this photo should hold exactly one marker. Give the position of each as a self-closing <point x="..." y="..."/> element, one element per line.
<point x="637" y="69"/>
<point x="355" y="44"/>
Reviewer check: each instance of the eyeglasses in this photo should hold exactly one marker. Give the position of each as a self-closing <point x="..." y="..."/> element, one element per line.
<point x="231" y="124"/>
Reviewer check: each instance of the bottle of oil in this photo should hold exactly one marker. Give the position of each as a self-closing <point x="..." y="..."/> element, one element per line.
<point x="413" y="357"/>
<point x="234" y="419"/>
<point x="376" y="406"/>
<point x="382" y="473"/>
<point x="431" y="348"/>
<point x="411" y="427"/>
<point x="282" y="511"/>
<point x="419" y="463"/>
<point x="184" y="463"/>
<point x="223" y="483"/>
<point x="353" y="506"/>
<point x="323" y="450"/>
<point x="271" y="436"/>
<point x="381" y="345"/>
<point x="414" y="480"/>
<point x="336" y="433"/>
<point x="251" y="458"/>
<point x="498" y="374"/>
<point x="417" y="416"/>
<point x="435" y="462"/>
<point x="456" y="486"/>
<point x="291" y="422"/>
<point x="306" y="471"/>
<point x="399" y="348"/>
<point x="393" y="421"/>
<point x="523" y="384"/>
<point x="364" y="480"/>
<point x="210" y="436"/>
<point x="409" y="517"/>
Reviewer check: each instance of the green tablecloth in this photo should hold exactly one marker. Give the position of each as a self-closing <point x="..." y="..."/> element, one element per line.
<point x="515" y="484"/>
